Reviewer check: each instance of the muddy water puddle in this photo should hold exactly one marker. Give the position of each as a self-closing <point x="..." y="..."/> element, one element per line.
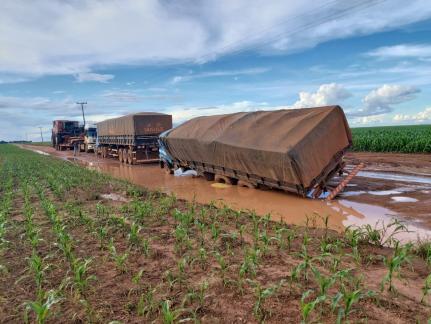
<point x="281" y="206"/>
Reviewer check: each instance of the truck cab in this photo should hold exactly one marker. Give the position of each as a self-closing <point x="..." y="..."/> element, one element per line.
<point x="89" y="143"/>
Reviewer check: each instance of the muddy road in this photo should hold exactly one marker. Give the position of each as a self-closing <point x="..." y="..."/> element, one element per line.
<point x="391" y="186"/>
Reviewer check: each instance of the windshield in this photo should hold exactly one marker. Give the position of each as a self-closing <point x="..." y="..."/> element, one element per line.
<point x="91" y="132"/>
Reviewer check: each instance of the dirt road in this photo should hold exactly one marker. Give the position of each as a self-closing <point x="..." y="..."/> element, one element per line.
<point x="391" y="186"/>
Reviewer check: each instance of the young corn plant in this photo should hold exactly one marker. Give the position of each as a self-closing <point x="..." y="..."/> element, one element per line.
<point x="133" y="235"/>
<point x="222" y="264"/>
<point x="323" y="282"/>
<point x="169" y="315"/>
<point x="118" y="258"/>
<point x="307" y="261"/>
<point x="426" y="289"/>
<point x="146" y="248"/>
<point x="349" y="298"/>
<point x="147" y="305"/>
<point x="261" y="295"/>
<point x="308" y="307"/>
<point x="81" y="279"/>
<point x="393" y="264"/>
<point x="102" y="234"/>
<point x="198" y="295"/>
<point x="42" y="309"/>
<point x="39" y="269"/>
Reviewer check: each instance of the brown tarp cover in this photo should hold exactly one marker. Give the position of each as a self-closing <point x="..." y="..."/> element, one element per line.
<point x="292" y="145"/>
<point x="144" y="123"/>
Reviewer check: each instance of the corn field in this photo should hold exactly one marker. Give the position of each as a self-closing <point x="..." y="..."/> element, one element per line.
<point x="403" y="139"/>
<point x="69" y="255"/>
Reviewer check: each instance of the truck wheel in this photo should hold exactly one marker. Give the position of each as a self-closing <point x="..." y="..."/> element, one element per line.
<point x="223" y="179"/>
<point x="125" y="154"/>
<point x="208" y="176"/>
<point x="168" y="168"/>
<point x="130" y="157"/>
<point x="246" y="184"/>
<point x="120" y="155"/>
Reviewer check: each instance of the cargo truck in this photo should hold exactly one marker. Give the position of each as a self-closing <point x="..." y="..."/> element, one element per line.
<point x="296" y="150"/>
<point x="66" y="134"/>
<point x="89" y="143"/>
<point x="132" y="138"/>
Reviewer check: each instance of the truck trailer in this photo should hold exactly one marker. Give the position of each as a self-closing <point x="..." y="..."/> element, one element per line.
<point x="295" y="150"/>
<point x="132" y="138"/>
<point x="66" y="134"/>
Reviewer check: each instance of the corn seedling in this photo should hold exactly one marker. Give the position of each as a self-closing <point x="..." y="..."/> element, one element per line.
<point x="133" y="235"/>
<point x="169" y="315"/>
<point x="394" y="263"/>
<point x="147" y="304"/>
<point x="102" y="234"/>
<point x="42" y="309"/>
<point x="261" y="295"/>
<point x="197" y="295"/>
<point x="308" y="307"/>
<point x="349" y="299"/>
<point x="426" y="289"/>
<point x="81" y="279"/>
<point x="137" y="277"/>
<point x="119" y="259"/>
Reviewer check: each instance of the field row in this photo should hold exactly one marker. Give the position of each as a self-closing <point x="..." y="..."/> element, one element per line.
<point x="70" y="253"/>
<point x="403" y="139"/>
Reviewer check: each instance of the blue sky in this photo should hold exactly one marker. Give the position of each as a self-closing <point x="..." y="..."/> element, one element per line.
<point x="191" y="58"/>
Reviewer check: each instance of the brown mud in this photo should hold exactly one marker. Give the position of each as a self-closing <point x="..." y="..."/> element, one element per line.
<point x="384" y="190"/>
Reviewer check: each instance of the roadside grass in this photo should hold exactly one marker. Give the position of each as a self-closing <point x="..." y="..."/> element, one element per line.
<point x="67" y="255"/>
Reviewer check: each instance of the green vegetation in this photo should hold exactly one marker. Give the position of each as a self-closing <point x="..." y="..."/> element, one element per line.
<point x="403" y="139"/>
<point x="66" y="255"/>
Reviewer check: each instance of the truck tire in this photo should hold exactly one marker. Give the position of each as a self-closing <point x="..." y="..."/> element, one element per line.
<point x="125" y="154"/>
<point x="120" y="155"/>
<point x="246" y="184"/>
<point x="208" y="176"/>
<point x="223" y="179"/>
<point x="130" y="157"/>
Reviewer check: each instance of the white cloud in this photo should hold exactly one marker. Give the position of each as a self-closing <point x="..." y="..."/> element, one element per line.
<point x="421" y="116"/>
<point x="381" y="100"/>
<point x="422" y="51"/>
<point x="122" y="96"/>
<point x="327" y="94"/>
<point x="212" y="74"/>
<point x="96" y="77"/>
<point x="182" y="113"/>
<point x="71" y="37"/>
<point x="368" y="119"/>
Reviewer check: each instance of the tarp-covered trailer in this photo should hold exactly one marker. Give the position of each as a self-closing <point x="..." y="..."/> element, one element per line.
<point x="132" y="138"/>
<point x="297" y="150"/>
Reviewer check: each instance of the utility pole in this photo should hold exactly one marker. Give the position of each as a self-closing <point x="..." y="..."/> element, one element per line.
<point x="41" y="133"/>
<point x="82" y="108"/>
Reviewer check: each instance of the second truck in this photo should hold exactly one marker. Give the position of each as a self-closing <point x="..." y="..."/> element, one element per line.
<point x="132" y="138"/>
